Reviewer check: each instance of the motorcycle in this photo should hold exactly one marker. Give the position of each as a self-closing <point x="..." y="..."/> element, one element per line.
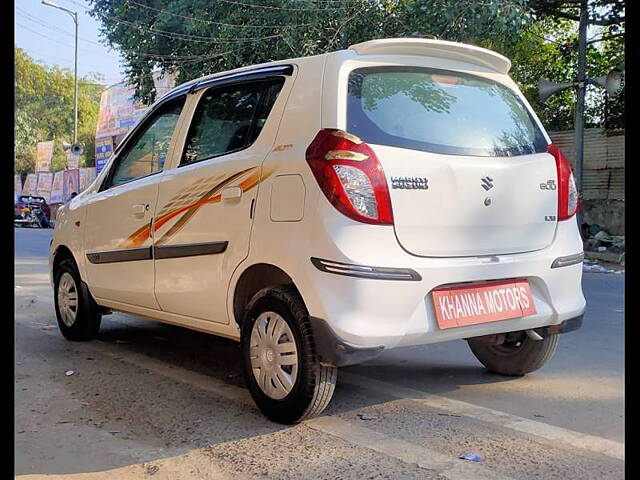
<point x="32" y="214"/>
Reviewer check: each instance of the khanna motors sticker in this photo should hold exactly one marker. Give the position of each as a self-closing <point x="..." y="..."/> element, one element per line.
<point x="488" y="302"/>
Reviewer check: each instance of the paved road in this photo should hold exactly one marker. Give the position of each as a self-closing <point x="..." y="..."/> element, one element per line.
<point x="156" y="401"/>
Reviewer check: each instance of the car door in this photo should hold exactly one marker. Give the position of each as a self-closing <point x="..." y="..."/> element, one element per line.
<point x="117" y="233"/>
<point x="204" y="214"/>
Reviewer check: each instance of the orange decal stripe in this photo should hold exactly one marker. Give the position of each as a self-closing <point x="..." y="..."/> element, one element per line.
<point x="144" y="233"/>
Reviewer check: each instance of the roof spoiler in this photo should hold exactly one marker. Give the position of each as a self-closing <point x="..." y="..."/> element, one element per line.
<point x="435" y="48"/>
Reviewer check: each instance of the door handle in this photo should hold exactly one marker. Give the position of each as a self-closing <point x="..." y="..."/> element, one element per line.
<point x="139" y="209"/>
<point x="231" y="193"/>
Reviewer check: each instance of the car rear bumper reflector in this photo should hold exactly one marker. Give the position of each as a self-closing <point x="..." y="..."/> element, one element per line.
<point x="363" y="271"/>
<point x="568" y="260"/>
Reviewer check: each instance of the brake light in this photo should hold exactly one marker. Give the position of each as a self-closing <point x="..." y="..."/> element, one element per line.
<point x="567" y="191"/>
<point x="351" y="177"/>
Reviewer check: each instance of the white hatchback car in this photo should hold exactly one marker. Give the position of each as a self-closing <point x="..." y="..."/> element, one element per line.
<point x="322" y="210"/>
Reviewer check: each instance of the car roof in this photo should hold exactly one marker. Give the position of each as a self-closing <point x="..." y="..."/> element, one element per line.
<point x="387" y="46"/>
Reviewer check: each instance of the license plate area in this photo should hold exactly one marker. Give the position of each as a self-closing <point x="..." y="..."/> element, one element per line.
<point x="475" y="303"/>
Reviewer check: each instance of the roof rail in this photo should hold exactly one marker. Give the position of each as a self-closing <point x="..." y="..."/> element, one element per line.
<point x="435" y="48"/>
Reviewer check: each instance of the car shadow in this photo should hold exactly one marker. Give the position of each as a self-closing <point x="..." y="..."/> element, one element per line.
<point x="220" y="358"/>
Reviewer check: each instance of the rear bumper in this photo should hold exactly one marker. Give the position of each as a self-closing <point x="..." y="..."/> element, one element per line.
<point x="333" y="350"/>
<point x="368" y="313"/>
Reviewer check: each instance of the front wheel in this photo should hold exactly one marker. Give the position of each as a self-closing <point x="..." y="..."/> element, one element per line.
<point x="517" y="355"/>
<point x="281" y="367"/>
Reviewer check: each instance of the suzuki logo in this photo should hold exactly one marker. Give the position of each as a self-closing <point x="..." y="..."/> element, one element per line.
<point x="487" y="183"/>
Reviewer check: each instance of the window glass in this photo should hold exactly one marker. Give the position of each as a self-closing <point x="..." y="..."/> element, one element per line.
<point x="228" y="119"/>
<point x="440" y="111"/>
<point x="148" y="152"/>
<point x="270" y="95"/>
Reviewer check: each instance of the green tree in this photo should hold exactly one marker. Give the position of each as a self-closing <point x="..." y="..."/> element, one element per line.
<point x="199" y="37"/>
<point x="44" y="111"/>
<point x="556" y="58"/>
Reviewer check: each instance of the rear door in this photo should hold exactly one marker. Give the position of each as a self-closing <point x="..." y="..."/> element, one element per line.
<point x="117" y="234"/>
<point x="465" y="161"/>
<point x="204" y="215"/>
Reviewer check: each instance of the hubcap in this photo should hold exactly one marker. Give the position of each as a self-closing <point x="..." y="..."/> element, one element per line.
<point x="273" y="354"/>
<point x="67" y="299"/>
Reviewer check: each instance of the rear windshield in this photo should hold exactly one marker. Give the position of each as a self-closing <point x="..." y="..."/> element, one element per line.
<point x="439" y="111"/>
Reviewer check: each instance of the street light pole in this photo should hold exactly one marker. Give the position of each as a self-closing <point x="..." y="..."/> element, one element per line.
<point x="75" y="81"/>
<point x="74" y="15"/>
<point x="582" y="86"/>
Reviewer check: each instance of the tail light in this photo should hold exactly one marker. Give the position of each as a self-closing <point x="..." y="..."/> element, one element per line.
<point x="350" y="176"/>
<point x="567" y="191"/>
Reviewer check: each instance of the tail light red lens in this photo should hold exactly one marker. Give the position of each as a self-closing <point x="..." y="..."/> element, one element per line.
<point x="350" y="176"/>
<point x="567" y="191"/>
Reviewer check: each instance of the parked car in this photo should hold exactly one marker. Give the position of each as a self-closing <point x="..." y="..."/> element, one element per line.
<point x="323" y="210"/>
<point x="31" y="211"/>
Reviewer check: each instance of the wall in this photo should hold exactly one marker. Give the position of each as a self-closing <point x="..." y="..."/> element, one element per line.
<point x="603" y="192"/>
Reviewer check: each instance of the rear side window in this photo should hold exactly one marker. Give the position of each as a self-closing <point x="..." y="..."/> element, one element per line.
<point x="439" y="111"/>
<point x="229" y="119"/>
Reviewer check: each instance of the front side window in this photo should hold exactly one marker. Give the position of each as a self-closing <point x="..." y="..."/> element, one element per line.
<point x="439" y="111"/>
<point x="229" y="119"/>
<point x="147" y="153"/>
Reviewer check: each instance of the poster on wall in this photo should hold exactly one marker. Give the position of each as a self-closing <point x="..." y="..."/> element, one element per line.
<point x="45" y="179"/>
<point x="118" y="110"/>
<point x="71" y="183"/>
<point x="104" y="149"/>
<point x="73" y="159"/>
<point x="44" y="153"/>
<point x="84" y="179"/>
<point x="164" y="82"/>
<point x="87" y="175"/>
<point x="30" y="184"/>
<point x="17" y="185"/>
<point x="57" y="187"/>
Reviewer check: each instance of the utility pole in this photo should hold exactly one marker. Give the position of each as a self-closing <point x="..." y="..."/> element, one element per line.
<point x="582" y="87"/>
<point x="74" y="15"/>
<point x="75" y="81"/>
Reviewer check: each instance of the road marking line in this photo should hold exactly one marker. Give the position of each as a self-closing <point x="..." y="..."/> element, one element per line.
<point x="553" y="433"/>
<point x="452" y="468"/>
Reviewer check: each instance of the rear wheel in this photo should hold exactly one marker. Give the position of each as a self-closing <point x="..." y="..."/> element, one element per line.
<point x="517" y="355"/>
<point x="77" y="315"/>
<point x="281" y="367"/>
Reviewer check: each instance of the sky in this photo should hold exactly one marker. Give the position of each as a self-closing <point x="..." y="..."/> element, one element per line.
<point x="47" y="35"/>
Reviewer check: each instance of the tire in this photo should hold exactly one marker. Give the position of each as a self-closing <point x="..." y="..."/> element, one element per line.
<point x="303" y="394"/>
<point x="84" y="325"/>
<point x="517" y="357"/>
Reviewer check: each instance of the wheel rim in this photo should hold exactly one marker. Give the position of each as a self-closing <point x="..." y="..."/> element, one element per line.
<point x="274" y="355"/>
<point x="67" y="299"/>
